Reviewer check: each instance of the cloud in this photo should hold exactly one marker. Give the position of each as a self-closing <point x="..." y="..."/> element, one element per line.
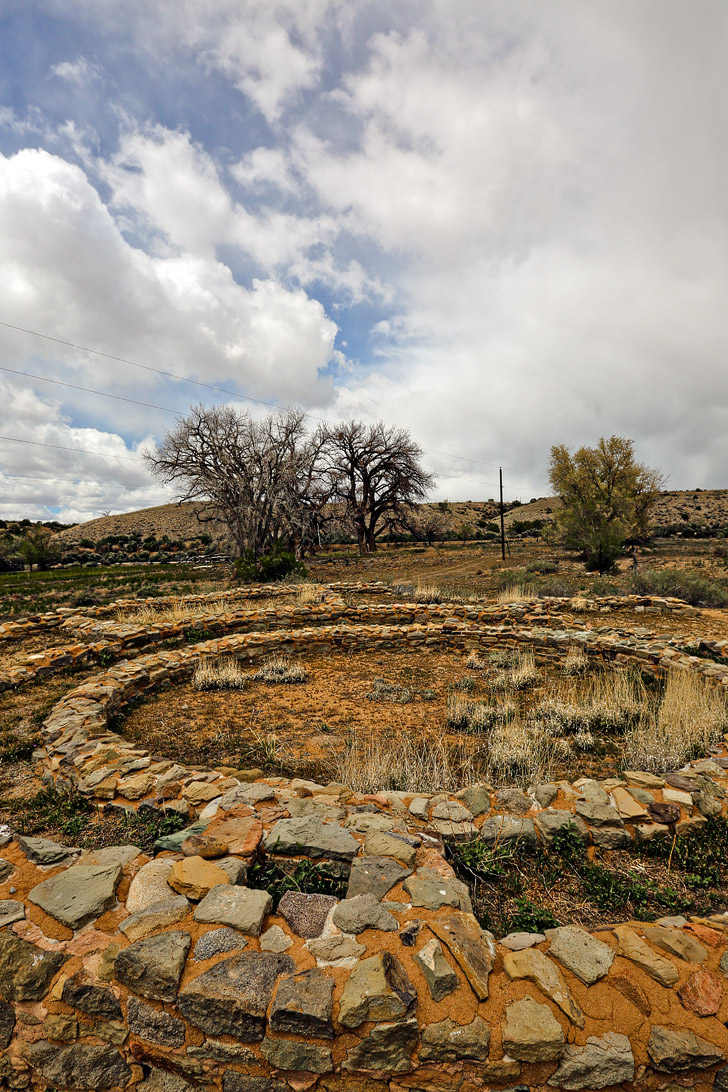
<point x="80" y="72"/>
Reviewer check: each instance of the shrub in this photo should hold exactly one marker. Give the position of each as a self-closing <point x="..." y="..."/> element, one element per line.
<point x="693" y="587"/>
<point x="223" y="674"/>
<point x="277" y="564"/>
<point x="476" y="716"/>
<point x="383" y="690"/>
<point x="401" y="763"/>
<point x="279" y="669"/>
<point x="691" y="716"/>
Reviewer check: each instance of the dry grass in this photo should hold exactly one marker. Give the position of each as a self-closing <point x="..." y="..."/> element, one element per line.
<point x="310" y="594"/>
<point x="517" y="593"/>
<point x="476" y="662"/>
<point x="522" y="673"/>
<point x="476" y="716"/>
<point x="519" y="751"/>
<point x="176" y="611"/>
<point x="611" y="701"/>
<point x="691" y="716"/>
<point x="404" y="763"/>
<point x="576" y="662"/>
<point x="280" y="669"/>
<point x="222" y="674"/>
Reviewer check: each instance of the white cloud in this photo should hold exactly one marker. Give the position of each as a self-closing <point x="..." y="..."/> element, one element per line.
<point x="80" y="72"/>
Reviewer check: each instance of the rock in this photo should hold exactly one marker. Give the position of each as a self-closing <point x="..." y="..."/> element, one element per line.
<point x="380" y="843"/>
<point x="134" y="788"/>
<point x="243" y="1082"/>
<point x="217" y="941"/>
<point x="627" y="806"/>
<point x="374" y="876"/>
<point x="333" y="948"/>
<point x="430" y="889"/>
<point x="363" y="912"/>
<point x="42" y="851"/>
<point x="205" y="846"/>
<point x="707" y="805"/>
<point x="153" y="967"/>
<point x="306" y="914"/>
<point x="239" y="907"/>
<point x="149" y="886"/>
<point x="376" y="989"/>
<point x="679" y="798"/>
<point x="161" y="1080"/>
<point x="155" y="917"/>
<point x="508" y="828"/>
<point x="672" y="1050"/>
<point x="241" y="834"/>
<point x="585" y="956"/>
<point x="154" y="1025"/>
<point x="702" y="993"/>
<point x="599" y="1063"/>
<point x="632" y="947"/>
<point x="173" y="842"/>
<point x="452" y="811"/>
<point x="251" y="794"/>
<point x="232" y="998"/>
<point x="545" y="793"/>
<point x="472" y="947"/>
<point x="197" y="793"/>
<point x="643" y="779"/>
<point x="720" y="1080"/>
<point x="195" y="877"/>
<point x="549" y="822"/>
<point x="90" y="999"/>
<point x="516" y="942"/>
<point x="79" y="1066"/>
<point x="592" y="792"/>
<point x="534" y="966"/>
<point x="10" y="911"/>
<point x="6" y="869"/>
<point x="26" y="972"/>
<point x="598" y="815"/>
<point x="513" y="801"/>
<point x="453" y="821"/>
<point x="303" y="1005"/>
<point x="607" y="837"/>
<point x="477" y="798"/>
<point x="664" y="812"/>
<point x="59" y="1027"/>
<point x="7" y="1024"/>
<point x="451" y="1042"/>
<point x="237" y="870"/>
<point x="275" y="940"/>
<point x="302" y="1057"/>
<point x="681" y="782"/>
<point x="676" y="942"/>
<point x="309" y="836"/>
<point x="78" y="895"/>
<point x="387" y="1048"/>
<point x="440" y="977"/>
<point x="531" y="1032"/>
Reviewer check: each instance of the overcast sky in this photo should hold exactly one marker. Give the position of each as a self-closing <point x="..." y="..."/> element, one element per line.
<point x="501" y="224"/>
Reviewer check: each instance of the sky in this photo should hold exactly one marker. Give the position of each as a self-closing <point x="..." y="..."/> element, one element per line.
<point x="501" y="224"/>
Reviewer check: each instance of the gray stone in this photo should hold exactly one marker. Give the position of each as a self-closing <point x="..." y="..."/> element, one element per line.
<point x="154" y="1025"/>
<point x="441" y="979"/>
<point x="275" y="940"/>
<point x="508" y="828"/>
<point x="6" y="869"/>
<point x="369" y="821"/>
<point x="236" y="869"/>
<point x="251" y="794"/>
<point x="300" y="1057"/>
<point x="161" y="1080"/>
<point x="593" y="793"/>
<point x="377" y="989"/>
<point x="513" y="800"/>
<point x="120" y="855"/>
<point x="610" y="837"/>
<point x="551" y="821"/>
<point x="387" y="1048"/>
<point x="598" y="815"/>
<point x="531" y="1032"/>
<point x="598" y="1064"/>
<point x="42" y="851"/>
<point x="477" y="798"/>
<point x="585" y="956"/>
<point x="155" y="917"/>
<point x="10" y="910"/>
<point x="374" y="876"/>
<point x="402" y="847"/>
<point x="707" y="805"/>
<point x="331" y="949"/>
<point x="363" y="912"/>
<point x="429" y="889"/>
<point x="723" y="965"/>
<point x="90" y="999"/>
<point x="545" y="793"/>
<point x="26" y="972"/>
<point x="451" y="1042"/>
<point x="672" y="1050"/>
<point x="720" y="1080"/>
<point x="217" y="941"/>
<point x="149" y="886"/>
<point x="306" y="914"/>
<point x="242" y="1082"/>
<point x="78" y="895"/>
<point x="303" y="1005"/>
<point x="153" y="966"/>
<point x="311" y="837"/>
<point x="232" y="998"/>
<point x="79" y="1066"/>
<point x="516" y="942"/>
<point x="7" y="1024"/>
<point x="240" y="907"/>
<point x="642" y="796"/>
<point x="173" y="842"/>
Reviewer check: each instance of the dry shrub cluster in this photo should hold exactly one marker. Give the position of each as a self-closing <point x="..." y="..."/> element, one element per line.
<point x="176" y="611"/>
<point x="218" y="674"/>
<point x="690" y="718"/>
<point x="280" y="669"/>
<point x="403" y="762"/>
<point x="521" y="674"/>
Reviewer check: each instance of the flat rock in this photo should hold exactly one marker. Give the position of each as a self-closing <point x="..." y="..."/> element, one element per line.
<point x="91" y="999"/>
<point x="79" y="1066"/>
<point x="304" y="1004"/>
<point x="592" y="792"/>
<point x="275" y="940"/>
<point x="242" y="835"/>
<point x="477" y="798"/>
<point x="306" y="914"/>
<point x="78" y="895"/>
<point x="42" y="851"/>
<point x="154" y="1025"/>
<point x="676" y="942"/>
<point x="472" y="947"/>
<point x="387" y="1048"/>
<point x="217" y="941"/>
<point x="302" y="1057"/>
<point x="194" y="877"/>
<point x="374" y="876"/>
<point x="643" y="779"/>
<point x="11" y="910"/>
<point x="153" y="967"/>
<point x="702" y="993"/>
<point x="601" y="1062"/>
<point x="173" y="842"/>
<point x="232" y="998"/>
<point x="333" y="948"/>
<point x="534" y="966"/>
<point x="447" y="1041"/>
<point x="664" y="812"/>
<point x="508" y="828"/>
<point x="598" y="815"/>
<point x="513" y="801"/>
<point x="310" y="836"/>
<point x="544" y="793"/>
<point x="363" y="912"/>
<point x="205" y="846"/>
<point x="516" y="942"/>
<point x="250" y="794"/>
<point x="429" y="889"/>
<point x="121" y="855"/>
<point x="159" y="915"/>
<point x="627" y="806"/>
<point x="149" y="885"/>
<point x="239" y="907"/>
<point x="550" y="821"/>
<point x="585" y="956"/>
<point x="401" y="847"/>
<point x="673" y="1050"/>
<point x="632" y="947"/>
<point x="377" y="989"/>
<point x="237" y="870"/>
<point x="681" y="782"/>
<point x="26" y="972"/>
<point x="441" y="979"/>
<point x="531" y="1032"/>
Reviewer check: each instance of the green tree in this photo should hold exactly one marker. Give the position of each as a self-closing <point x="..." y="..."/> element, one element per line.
<point x="39" y="547"/>
<point x="607" y="498"/>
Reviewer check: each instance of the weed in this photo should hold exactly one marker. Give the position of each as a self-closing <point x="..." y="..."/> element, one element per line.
<point x="576" y="662"/>
<point x="530" y="918"/>
<point x="14" y="749"/>
<point x="280" y="669"/>
<point x="464" y="686"/>
<point x="383" y="690"/>
<point x="472" y="716"/>
<point x="50" y="807"/>
<point x="475" y="662"/>
<point x="400" y="762"/>
<point x="691" y="716"/>
<point x="686" y="584"/>
<point x="222" y="674"/>
<point x="308" y="877"/>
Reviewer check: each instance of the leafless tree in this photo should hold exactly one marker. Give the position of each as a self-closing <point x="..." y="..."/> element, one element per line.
<point x="374" y="470"/>
<point x="425" y="524"/>
<point x="260" y="478"/>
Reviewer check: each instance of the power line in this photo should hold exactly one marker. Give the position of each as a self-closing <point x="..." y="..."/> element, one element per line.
<point x="88" y="390"/>
<point x="59" y="447"/>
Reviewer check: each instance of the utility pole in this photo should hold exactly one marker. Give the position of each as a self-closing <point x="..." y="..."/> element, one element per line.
<point x="503" y="529"/>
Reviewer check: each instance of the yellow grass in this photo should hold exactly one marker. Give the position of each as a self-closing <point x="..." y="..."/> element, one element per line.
<point x="176" y="611"/>
<point x="371" y="763"/>
<point x="222" y="674"/>
<point x="691" y="716"/>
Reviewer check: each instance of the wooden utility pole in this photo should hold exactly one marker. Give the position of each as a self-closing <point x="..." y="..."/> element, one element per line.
<point x="503" y="529"/>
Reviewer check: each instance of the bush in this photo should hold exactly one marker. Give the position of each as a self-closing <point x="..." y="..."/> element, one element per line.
<point x="693" y="587"/>
<point x="277" y="564"/>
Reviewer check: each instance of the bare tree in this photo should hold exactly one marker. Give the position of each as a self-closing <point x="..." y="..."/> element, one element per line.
<point x="424" y="523"/>
<point x="374" y="470"/>
<point x="260" y="478"/>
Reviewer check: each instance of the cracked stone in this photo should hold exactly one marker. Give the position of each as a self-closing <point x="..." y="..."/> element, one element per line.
<point x="241" y="908"/>
<point x="79" y="1066"/>
<point x="601" y="1062"/>
<point x="154" y="1025"/>
<point x="508" y="828"/>
<point x="472" y="947"/>
<point x="585" y="956"/>
<point x="531" y="1032"/>
<point x="441" y="979"/>
<point x="388" y="1048"/>
<point x="301" y="1057"/>
<point x="304" y="1004"/>
<point x="429" y="889"/>
<point x="153" y="966"/>
<point x="451" y="1042"/>
<point x="534" y="966"/>
<point x="92" y="1000"/>
<point x="361" y="913"/>
<point x="376" y="989"/>
<point x="232" y="998"/>
<point x="374" y="876"/>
